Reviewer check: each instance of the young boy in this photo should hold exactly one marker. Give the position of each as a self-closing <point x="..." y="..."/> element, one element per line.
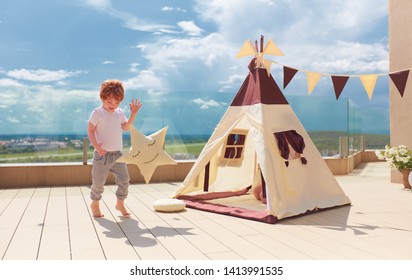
<point x="105" y="129"/>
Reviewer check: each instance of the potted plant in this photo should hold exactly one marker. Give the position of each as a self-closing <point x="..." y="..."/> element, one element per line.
<point x="399" y="157"/>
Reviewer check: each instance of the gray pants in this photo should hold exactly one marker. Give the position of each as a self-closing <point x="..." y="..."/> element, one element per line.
<point x="102" y="165"/>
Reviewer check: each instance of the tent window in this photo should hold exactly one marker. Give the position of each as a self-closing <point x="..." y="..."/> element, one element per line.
<point x="291" y="145"/>
<point x="234" y="146"/>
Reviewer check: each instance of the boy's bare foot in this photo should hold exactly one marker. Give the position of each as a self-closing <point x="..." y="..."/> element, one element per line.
<point x="120" y="207"/>
<point x="96" y="209"/>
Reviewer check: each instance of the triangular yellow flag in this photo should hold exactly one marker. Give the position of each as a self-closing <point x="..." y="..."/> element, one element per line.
<point x="369" y="82"/>
<point x="272" y="49"/>
<point x="268" y="65"/>
<point x="246" y="50"/>
<point x="312" y="79"/>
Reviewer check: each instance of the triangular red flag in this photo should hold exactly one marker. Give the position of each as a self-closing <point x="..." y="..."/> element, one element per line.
<point x="399" y="79"/>
<point x="288" y="74"/>
<point x="339" y="83"/>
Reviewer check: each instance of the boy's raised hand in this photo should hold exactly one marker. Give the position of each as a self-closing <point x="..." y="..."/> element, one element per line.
<point x="135" y="106"/>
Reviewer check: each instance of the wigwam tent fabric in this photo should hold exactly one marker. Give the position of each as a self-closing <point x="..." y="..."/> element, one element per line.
<point x="260" y="142"/>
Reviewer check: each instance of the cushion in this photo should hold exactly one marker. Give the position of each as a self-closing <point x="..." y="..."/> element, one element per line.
<point x="169" y="205"/>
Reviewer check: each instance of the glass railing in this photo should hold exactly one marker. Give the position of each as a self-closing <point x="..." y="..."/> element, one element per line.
<point x="54" y="129"/>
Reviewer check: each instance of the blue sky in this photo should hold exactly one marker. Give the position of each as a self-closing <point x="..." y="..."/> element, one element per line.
<point x="54" y="54"/>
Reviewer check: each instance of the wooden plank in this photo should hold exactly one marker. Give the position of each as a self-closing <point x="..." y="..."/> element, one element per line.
<point x="54" y="243"/>
<point x="133" y="230"/>
<point x="113" y="238"/>
<point x="26" y="239"/>
<point x="159" y="228"/>
<point x="11" y="217"/>
<point x="6" y="197"/>
<point x="235" y="243"/>
<point x="376" y="226"/>
<point x="174" y="242"/>
<point x="294" y="237"/>
<point x="139" y="236"/>
<point x="278" y="249"/>
<point x="330" y="248"/>
<point x="230" y="255"/>
<point x="203" y="240"/>
<point x="84" y="241"/>
<point x="357" y="247"/>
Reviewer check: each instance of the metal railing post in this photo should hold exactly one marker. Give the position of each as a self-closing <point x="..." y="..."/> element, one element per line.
<point x="85" y="148"/>
<point x="343" y="146"/>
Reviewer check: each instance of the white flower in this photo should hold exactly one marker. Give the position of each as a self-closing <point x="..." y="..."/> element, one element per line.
<point x="380" y="154"/>
<point x="398" y="157"/>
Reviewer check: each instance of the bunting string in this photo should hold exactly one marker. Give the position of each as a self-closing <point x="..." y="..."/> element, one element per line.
<point x="399" y="79"/>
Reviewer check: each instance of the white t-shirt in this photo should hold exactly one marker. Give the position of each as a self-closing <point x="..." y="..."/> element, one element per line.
<point x="108" y="128"/>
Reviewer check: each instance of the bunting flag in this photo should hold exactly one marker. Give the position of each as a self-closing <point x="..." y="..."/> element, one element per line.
<point x="272" y="49"/>
<point x="288" y="74"/>
<point x="312" y="79"/>
<point x="399" y="79"/>
<point x="369" y="82"/>
<point x="247" y="49"/>
<point x="339" y="83"/>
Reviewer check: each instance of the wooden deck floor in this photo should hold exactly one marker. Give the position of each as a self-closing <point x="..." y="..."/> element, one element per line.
<point x="43" y="223"/>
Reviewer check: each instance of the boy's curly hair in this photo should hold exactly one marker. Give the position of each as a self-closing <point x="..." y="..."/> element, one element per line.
<point x="113" y="88"/>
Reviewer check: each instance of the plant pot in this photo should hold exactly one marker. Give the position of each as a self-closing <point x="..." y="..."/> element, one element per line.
<point x="405" y="178"/>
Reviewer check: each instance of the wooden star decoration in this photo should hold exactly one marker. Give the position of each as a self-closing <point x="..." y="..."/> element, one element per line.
<point x="147" y="152"/>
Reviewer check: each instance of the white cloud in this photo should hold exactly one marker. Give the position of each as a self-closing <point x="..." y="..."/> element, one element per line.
<point x="9" y="83"/>
<point x="206" y="104"/>
<point x="232" y="79"/>
<point x="171" y="9"/>
<point x="190" y="28"/>
<point x="175" y="53"/>
<point x="134" y="67"/>
<point x="98" y="4"/>
<point x="318" y="36"/>
<point x="195" y="63"/>
<point x="107" y="62"/>
<point x="9" y="97"/>
<point x="309" y="33"/>
<point x="41" y="75"/>
<point x="167" y="9"/>
<point x="244" y="17"/>
<point x="145" y="80"/>
<point x="41" y="108"/>
<point x="129" y="20"/>
<point x="12" y="120"/>
<point x="351" y="58"/>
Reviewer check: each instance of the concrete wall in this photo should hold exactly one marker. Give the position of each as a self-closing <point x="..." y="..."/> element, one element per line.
<point x="69" y="174"/>
<point x="400" y="58"/>
<point x="343" y="166"/>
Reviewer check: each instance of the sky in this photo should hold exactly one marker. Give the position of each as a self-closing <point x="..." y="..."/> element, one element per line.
<point x="178" y="57"/>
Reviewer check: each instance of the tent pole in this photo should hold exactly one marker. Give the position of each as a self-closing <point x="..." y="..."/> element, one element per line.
<point x="206" y="180"/>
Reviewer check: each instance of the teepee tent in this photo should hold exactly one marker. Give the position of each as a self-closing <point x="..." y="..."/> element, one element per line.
<point x="260" y="163"/>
